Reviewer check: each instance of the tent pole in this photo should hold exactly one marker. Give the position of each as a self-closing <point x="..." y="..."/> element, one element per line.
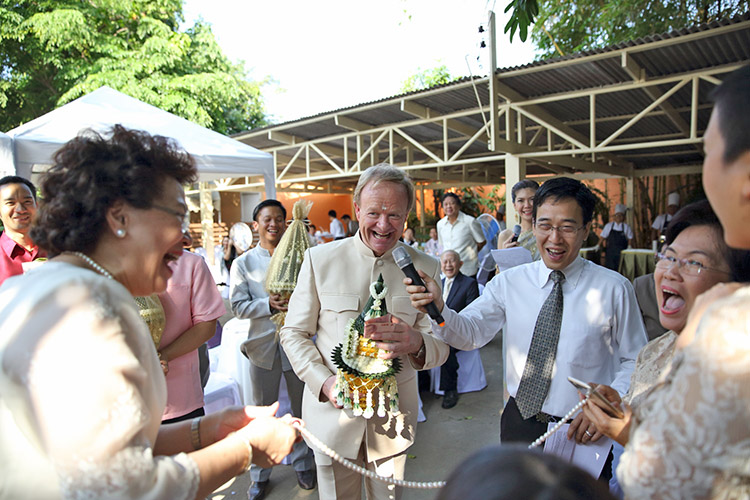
<point x="207" y="220"/>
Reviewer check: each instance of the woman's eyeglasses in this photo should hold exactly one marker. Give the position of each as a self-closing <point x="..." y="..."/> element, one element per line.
<point x="688" y="266"/>
<point x="183" y="217"/>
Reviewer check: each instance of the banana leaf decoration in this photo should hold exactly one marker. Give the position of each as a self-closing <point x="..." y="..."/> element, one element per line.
<point x="286" y="261"/>
<point x="360" y="371"/>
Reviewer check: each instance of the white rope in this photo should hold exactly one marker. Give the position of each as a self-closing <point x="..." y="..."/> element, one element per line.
<point x="541" y="439"/>
<point x="317" y="443"/>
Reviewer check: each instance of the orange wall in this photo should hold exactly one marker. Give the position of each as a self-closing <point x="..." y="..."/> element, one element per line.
<point x="322" y="203"/>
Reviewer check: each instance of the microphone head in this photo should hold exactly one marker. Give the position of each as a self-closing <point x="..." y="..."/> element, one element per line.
<point x="516" y="230"/>
<point x="401" y="256"/>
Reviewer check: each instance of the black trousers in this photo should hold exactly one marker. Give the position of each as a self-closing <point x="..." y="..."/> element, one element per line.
<point x="514" y="429"/>
<point x="449" y="372"/>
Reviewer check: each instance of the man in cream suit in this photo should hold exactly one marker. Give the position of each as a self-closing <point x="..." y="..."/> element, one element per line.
<point x="332" y="288"/>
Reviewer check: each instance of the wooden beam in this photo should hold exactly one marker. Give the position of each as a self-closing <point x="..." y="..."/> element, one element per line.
<point x="351" y="124"/>
<point x="281" y="137"/>
<point x="632" y="68"/>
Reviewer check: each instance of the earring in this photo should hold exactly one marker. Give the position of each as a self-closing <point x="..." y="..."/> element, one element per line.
<point x="120" y="233"/>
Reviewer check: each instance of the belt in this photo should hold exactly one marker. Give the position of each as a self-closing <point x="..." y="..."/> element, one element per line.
<point x="546" y="418"/>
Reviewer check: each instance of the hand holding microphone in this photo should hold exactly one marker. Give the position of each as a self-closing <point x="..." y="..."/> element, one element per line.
<point x="513" y="242"/>
<point x="516" y="233"/>
<point x="420" y="300"/>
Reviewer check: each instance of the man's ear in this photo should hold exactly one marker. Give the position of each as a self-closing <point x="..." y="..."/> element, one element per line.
<point x="587" y="230"/>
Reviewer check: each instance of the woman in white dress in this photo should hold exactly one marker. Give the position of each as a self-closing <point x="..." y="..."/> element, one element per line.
<point x="81" y="388"/>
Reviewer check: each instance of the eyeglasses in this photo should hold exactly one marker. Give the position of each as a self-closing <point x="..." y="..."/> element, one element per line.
<point x="566" y="230"/>
<point x="688" y="266"/>
<point x="183" y="217"/>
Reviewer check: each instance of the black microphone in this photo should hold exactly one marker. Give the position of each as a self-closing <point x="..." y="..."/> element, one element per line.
<point x="516" y="233"/>
<point x="403" y="260"/>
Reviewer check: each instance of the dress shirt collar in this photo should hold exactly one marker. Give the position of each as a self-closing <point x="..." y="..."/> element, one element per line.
<point x="13" y="249"/>
<point x="459" y="218"/>
<point x="261" y="251"/>
<point x="572" y="272"/>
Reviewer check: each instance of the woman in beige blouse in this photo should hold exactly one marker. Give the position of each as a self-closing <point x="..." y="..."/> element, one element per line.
<point x="693" y="260"/>
<point x="689" y="434"/>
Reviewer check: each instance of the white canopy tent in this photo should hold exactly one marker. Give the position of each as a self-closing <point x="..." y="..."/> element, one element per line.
<point x="7" y="167"/>
<point x="216" y="155"/>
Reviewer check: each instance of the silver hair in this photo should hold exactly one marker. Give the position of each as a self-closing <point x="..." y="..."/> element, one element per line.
<point x="385" y="172"/>
<point x="458" y="255"/>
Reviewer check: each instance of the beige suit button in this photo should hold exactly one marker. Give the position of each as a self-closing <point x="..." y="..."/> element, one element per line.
<point x="380" y="262"/>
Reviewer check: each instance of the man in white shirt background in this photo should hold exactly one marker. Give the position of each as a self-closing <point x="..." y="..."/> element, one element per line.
<point x="460" y="232"/>
<point x="337" y="228"/>
<point x="599" y="332"/>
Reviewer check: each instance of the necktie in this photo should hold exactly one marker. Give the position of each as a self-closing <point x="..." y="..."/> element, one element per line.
<point x="447" y="289"/>
<point x="537" y="374"/>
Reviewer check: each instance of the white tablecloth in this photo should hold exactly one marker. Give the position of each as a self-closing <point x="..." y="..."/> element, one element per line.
<point x="220" y="391"/>
<point x="471" y="376"/>
<point x="230" y="361"/>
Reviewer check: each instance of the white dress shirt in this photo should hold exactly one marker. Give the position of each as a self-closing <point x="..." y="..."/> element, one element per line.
<point x="661" y="222"/>
<point x="337" y="229"/>
<point x="601" y="333"/>
<point x="462" y="236"/>
<point x="617" y="226"/>
<point x="249" y="300"/>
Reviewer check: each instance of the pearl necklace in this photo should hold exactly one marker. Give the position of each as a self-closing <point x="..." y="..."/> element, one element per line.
<point x="88" y="260"/>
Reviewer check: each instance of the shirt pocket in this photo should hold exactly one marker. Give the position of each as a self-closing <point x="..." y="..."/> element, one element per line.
<point x="403" y="309"/>
<point x="338" y="309"/>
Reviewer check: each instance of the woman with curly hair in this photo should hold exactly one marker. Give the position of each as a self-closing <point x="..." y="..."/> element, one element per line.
<point x="81" y="389"/>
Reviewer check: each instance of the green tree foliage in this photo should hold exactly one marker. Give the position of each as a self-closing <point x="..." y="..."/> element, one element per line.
<point x="522" y="16"/>
<point x="563" y="27"/>
<point x="54" y="51"/>
<point x="425" y="79"/>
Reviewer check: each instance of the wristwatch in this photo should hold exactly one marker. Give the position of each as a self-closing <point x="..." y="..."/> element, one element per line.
<point x="421" y="352"/>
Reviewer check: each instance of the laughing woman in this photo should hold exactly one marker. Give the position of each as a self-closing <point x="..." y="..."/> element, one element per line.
<point x="81" y="389"/>
<point x="689" y="434"/>
<point x="694" y="259"/>
<point x="522" y="195"/>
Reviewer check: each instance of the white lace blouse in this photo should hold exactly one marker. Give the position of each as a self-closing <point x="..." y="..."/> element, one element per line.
<point x="690" y="436"/>
<point x="81" y="393"/>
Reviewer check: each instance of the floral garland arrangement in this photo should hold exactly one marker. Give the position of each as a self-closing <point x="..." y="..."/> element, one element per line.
<point x="360" y="370"/>
<point x="286" y="262"/>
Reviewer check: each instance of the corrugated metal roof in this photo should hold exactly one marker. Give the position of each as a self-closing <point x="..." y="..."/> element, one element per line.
<point x="561" y="88"/>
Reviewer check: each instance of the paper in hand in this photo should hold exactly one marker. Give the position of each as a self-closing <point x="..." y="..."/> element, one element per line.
<point x="506" y="258"/>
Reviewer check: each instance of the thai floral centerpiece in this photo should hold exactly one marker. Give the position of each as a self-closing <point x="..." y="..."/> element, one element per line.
<point x="286" y="261"/>
<point x="360" y="370"/>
